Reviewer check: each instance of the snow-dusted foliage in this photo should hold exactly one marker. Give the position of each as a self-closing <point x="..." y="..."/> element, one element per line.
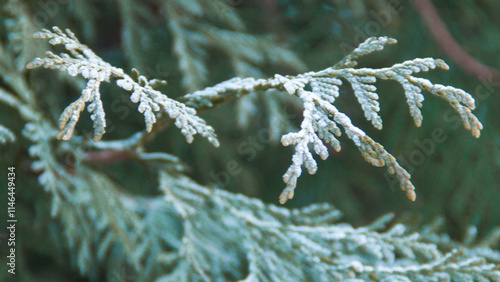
<point x="323" y="121"/>
<point x="6" y="135"/>
<point x="82" y="61"/>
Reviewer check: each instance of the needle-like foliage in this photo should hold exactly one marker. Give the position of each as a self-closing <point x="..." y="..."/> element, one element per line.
<point x="322" y="121"/>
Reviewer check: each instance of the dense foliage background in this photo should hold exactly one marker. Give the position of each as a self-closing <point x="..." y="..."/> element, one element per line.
<point x="458" y="178"/>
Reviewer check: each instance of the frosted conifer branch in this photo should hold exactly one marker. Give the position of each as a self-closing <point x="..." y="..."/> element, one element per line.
<point x="306" y="244"/>
<point x="83" y="61"/>
<point x="371" y="45"/>
<point x="322" y="119"/>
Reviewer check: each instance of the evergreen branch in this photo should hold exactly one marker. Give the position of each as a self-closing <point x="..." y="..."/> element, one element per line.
<point x="100" y="223"/>
<point x="6" y="135"/>
<point x="444" y="39"/>
<point x="321" y="116"/>
<point x="305" y="244"/>
<point x="194" y="35"/>
<point x="190" y="56"/>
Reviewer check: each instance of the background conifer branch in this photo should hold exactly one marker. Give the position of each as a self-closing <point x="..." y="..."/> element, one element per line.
<point x="200" y="26"/>
<point x="445" y="40"/>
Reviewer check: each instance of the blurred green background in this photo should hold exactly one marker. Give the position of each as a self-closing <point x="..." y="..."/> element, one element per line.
<point x="459" y="179"/>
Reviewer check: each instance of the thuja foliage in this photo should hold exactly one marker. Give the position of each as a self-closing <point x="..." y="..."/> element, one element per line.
<point x="321" y="118"/>
<point x="189" y="231"/>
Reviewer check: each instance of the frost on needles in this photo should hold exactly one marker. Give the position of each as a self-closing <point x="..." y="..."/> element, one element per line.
<point x="322" y="121"/>
<point x="83" y="61"/>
